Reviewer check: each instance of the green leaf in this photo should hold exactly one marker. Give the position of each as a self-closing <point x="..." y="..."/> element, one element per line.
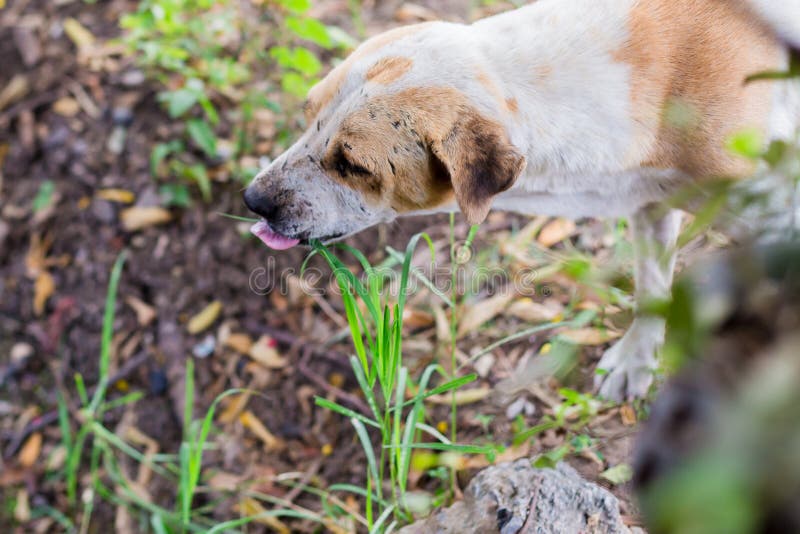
<point x="311" y="30"/>
<point x="296" y="6"/>
<point x="619" y="474"/>
<point x="44" y="197"/>
<point x="175" y="195"/>
<point x="202" y="134"/>
<point x="748" y="143"/>
<point x="160" y="152"/>
<point x="179" y="101"/>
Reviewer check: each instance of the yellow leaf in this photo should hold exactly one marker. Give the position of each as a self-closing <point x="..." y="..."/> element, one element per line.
<point x="250" y="507"/>
<point x="628" y="415"/>
<point x="205" y="318"/>
<point x="589" y="336"/>
<point x="137" y="218"/>
<point x="254" y="425"/>
<point x="556" y="231"/>
<point x="327" y="449"/>
<point x="264" y="352"/>
<point x="123" y="196"/>
<point x="42" y="290"/>
<point x="241" y="343"/>
<point x="66" y="106"/>
<point x="30" y="450"/>
<point x="78" y="33"/>
<point x="234" y="407"/>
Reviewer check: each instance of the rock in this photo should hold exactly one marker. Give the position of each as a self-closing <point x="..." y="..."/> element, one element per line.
<point x="517" y="498"/>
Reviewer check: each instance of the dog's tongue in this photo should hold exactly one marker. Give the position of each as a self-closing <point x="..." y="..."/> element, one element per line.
<point x="271" y="238"/>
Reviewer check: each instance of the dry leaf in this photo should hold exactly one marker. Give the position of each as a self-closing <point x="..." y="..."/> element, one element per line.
<point x="241" y="343"/>
<point x="22" y="509"/>
<point x="589" y="336"/>
<point x="236" y="403"/>
<point x="123" y="196"/>
<point x="13" y="91"/>
<point x="137" y="218"/>
<point x="556" y="231"/>
<point x="57" y="458"/>
<point x="205" y="318"/>
<point x="250" y="507"/>
<point x="481" y="312"/>
<point x="225" y="481"/>
<point x="417" y="318"/>
<point x="66" y="106"/>
<point x="532" y="312"/>
<point x="462" y="396"/>
<point x="43" y="289"/>
<point x="78" y="33"/>
<point x="254" y="425"/>
<point x="30" y="450"/>
<point x="628" y="415"/>
<point x="408" y="13"/>
<point x="264" y="351"/>
<point x="145" y="314"/>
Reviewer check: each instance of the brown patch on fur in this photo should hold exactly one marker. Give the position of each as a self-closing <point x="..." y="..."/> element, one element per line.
<point x="692" y="57"/>
<point x="512" y="105"/>
<point x="418" y="148"/>
<point x="509" y="105"/>
<point x="542" y="72"/>
<point x="321" y="94"/>
<point x="389" y="69"/>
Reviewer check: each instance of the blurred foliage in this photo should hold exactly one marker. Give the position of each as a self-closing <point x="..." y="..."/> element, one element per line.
<point x="220" y="62"/>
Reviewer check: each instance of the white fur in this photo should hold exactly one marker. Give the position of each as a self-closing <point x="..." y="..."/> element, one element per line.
<point x="782" y="15"/>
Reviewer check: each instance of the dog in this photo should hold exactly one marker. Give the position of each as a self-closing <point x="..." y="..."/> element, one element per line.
<point x="570" y="108"/>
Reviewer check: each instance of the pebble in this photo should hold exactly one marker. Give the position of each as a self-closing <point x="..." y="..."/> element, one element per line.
<point x="103" y="210"/>
<point x="520" y="406"/>
<point x="205" y="348"/>
<point x="21" y="352"/>
<point x="158" y="381"/>
<point x="116" y="141"/>
<point x="132" y="78"/>
<point x="122" y="116"/>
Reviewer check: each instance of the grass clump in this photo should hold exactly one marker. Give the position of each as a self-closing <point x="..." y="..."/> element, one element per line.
<point x="398" y="419"/>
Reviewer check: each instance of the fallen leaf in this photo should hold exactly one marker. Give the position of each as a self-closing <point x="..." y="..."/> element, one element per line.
<point x="137" y="218"/>
<point x="235" y="405"/>
<point x="417" y="318"/>
<point x="241" y="343"/>
<point x="78" y="33"/>
<point x="13" y="91"/>
<point x="145" y="314"/>
<point x="205" y="318"/>
<point x="43" y="289"/>
<point x="250" y="507"/>
<point x="556" y="231"/>
<point x="57" y="458"/>
<point x="628" y="415"/>
<point x="254" y="425"/>
<point x="66" y="106"/>
<point x="22" y="508"/>
<point x="225" y="481"/>
<point x="619" y="474"/>
<point x="462" y="396"/>
<point x="532" y="312"/>
<point x="264" y="351"/>
<point x="123" y="196"/>
<point x="482" y="312"/>
<point x="30" y="451"/>
<point x="589" y="336"/>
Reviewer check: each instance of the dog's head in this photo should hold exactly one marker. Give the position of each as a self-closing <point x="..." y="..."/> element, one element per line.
<point x="392" y="130"/>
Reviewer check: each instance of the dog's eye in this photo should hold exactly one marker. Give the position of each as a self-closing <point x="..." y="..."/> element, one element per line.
<point x="346" y="167"/>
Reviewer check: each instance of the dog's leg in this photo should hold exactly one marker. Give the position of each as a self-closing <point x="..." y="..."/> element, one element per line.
<point x="629" y="365"/>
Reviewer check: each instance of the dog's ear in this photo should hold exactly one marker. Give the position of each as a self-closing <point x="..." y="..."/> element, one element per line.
<point x="479" y="162"/>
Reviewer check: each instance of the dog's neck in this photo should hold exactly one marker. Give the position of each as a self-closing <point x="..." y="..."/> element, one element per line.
<point x="554" y="61"/>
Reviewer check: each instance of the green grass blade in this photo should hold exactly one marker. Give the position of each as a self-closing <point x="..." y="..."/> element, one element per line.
<point x="338" y="408"/>
<point x="366" y="444"/>
<point x="108" y="331"/>
<point x="376" y="528"/>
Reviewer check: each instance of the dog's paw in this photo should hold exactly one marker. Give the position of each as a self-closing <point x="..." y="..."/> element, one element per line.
<point x="629" y="366"/>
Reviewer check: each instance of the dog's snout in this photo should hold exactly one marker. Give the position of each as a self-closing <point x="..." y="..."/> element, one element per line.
<point x="260" y="203"/>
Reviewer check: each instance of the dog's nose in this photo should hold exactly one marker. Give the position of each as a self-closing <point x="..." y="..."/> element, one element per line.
<point x="260" y="203"/>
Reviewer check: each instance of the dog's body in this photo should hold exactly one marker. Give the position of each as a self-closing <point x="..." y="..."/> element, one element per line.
<point x="575" y="108"/>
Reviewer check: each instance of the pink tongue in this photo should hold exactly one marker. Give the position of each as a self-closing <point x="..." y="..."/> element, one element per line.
<point x="272" y="239"/>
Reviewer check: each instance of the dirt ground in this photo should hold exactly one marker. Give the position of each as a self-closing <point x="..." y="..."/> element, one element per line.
<point x="174" y="270"/>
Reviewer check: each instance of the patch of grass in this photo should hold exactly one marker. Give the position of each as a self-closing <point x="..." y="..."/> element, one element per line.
<point x="395" y="398"/>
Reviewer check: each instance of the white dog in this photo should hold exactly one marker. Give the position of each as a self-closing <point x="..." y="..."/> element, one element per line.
<point x="572" y="108"/>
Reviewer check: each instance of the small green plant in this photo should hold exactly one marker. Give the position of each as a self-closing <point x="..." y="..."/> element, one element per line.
<point x="394" y="398"/>
<point x="213" y="54"/>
